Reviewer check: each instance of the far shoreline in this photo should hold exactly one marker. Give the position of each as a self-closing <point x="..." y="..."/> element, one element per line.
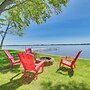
<point x="48" y="44"/>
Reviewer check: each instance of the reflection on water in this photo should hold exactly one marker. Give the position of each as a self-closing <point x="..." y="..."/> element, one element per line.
<point x="62" y="50"/>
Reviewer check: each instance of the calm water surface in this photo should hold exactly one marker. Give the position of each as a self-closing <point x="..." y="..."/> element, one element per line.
<point x="62" y="50"/>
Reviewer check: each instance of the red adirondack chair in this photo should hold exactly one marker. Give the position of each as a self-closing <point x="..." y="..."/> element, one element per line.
<point x="28" y="63"/>
<point x="28" y="50"/>
<point x="71" y="64"/>
<point x="11" y="59"/>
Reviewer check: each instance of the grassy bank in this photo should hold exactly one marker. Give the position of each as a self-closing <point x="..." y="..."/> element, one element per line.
<point x="64" y="79"/>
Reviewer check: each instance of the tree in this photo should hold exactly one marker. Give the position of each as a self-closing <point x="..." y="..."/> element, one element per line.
<point x="19" y="13"/>
<point x="8" y="29"/>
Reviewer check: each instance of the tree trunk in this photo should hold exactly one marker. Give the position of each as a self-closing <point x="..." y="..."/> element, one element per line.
<point x="4" y="36"/>
<point x="4" y="4"/>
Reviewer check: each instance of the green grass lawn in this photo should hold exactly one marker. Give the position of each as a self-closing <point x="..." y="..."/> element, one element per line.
<point x="64" y="79"/>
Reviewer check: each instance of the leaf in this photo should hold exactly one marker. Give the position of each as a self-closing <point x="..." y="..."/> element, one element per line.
<point x="2" y="20"/>
<point x="1" y="31"/>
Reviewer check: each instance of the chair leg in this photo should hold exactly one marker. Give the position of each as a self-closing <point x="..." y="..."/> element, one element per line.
<point x="72" y="69"/>
<point x="42" y="67"/>
<point x="60" y="64"/>
<point x="11" y="65"/>
<point x="23" y="73"/>
<point x="74" y="66"/>
<point x="36" y="75"/>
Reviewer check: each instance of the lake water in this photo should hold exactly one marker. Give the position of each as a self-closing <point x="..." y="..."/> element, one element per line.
<point x="62" y="50"/>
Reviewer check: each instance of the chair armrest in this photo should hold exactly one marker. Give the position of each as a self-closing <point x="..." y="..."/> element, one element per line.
<point x="65" y="59"/>
<point x="41" y="64"/>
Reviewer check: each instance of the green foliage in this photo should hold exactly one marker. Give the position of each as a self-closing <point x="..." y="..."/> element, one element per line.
<point x="57" y="5"/>
<point x="2" y="22"/>
<point x="1" y="32"/>
<point x="1" y="1"/>
<point x="21" y="12"/>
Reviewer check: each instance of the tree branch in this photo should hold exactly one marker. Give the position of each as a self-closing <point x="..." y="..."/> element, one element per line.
<point x="4" y="4"/>
<point x="15" y="5"/>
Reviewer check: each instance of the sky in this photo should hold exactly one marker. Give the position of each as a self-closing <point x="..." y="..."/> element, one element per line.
<point x="71" y="26"/>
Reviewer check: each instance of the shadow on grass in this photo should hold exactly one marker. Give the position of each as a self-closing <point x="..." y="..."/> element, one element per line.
<point x="61" y="70"/>
<point x="16" y="83"/>
<point x="7" y="68"/>
<point x="12" y="85"/>
<point x="60" y="86"/>
<point x="5" y="63"/>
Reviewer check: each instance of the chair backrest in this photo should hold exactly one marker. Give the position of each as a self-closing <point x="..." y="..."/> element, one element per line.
<point x="9" y="56"/>
<point x="27" y="60"/>
<point x="78" y="54"/>
<point x="28" y="50"/>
